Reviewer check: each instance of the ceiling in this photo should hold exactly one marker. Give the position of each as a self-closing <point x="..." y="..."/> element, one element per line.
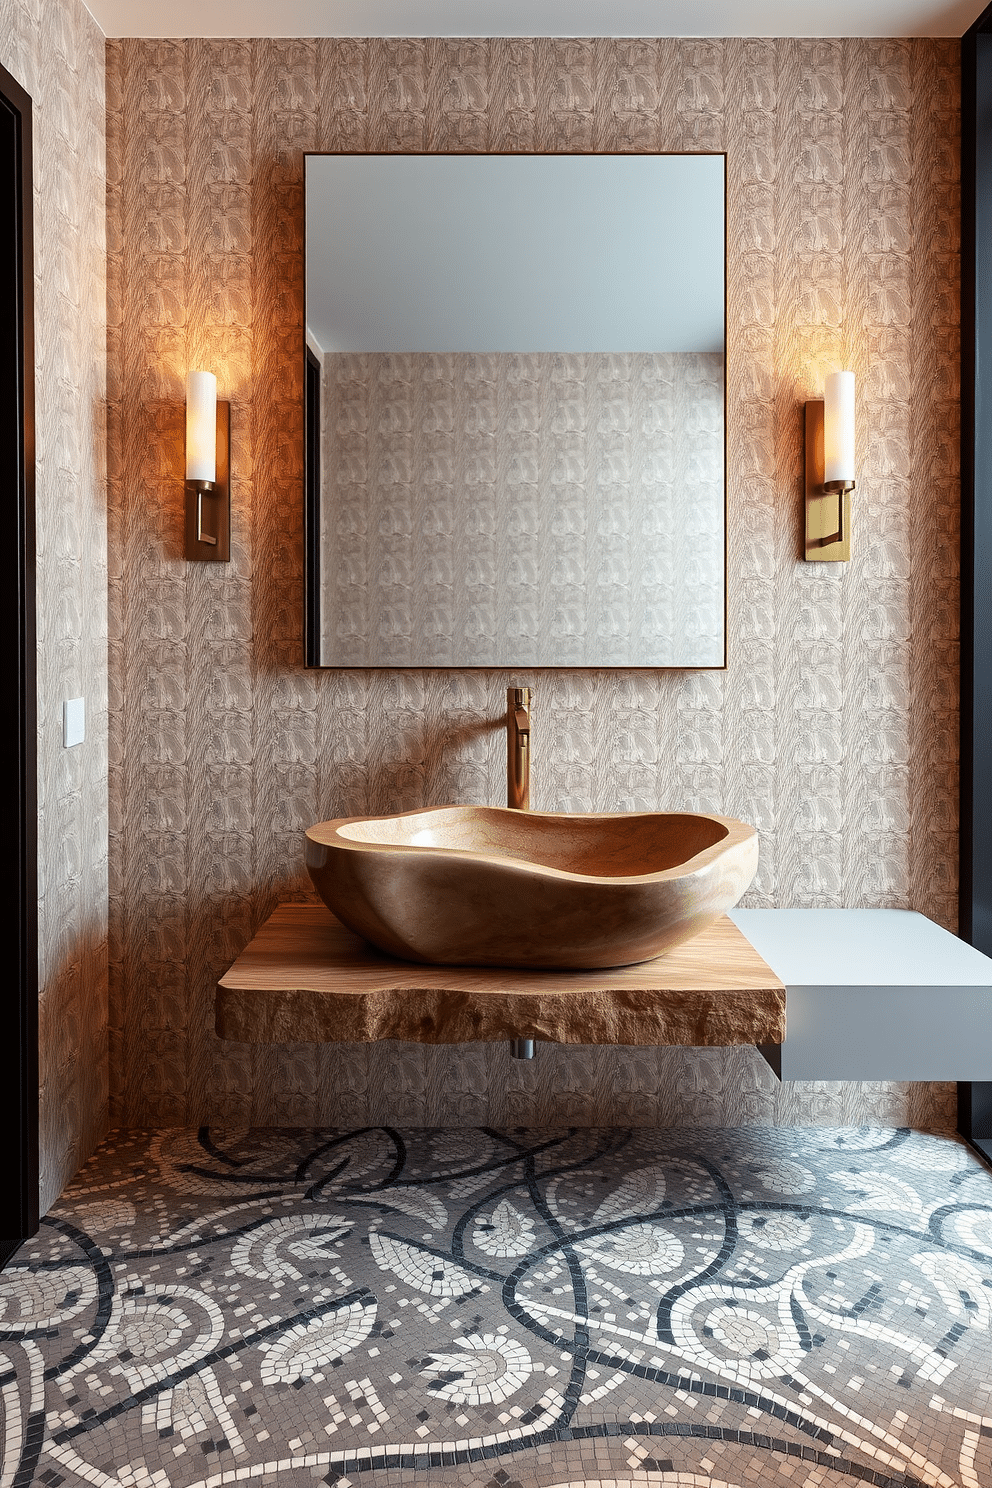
<point x="168" y="18"/>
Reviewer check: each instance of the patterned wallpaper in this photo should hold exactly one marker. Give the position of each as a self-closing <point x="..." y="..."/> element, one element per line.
<point x="483" y="509"/>
<point x="833" y="729"/>
<point x="56" y="52"/>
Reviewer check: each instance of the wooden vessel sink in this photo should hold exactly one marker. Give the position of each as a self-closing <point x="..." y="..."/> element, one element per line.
<point x="487" y="886"/>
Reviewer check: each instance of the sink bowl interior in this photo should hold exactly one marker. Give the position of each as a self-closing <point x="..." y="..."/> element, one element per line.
<point x="487" y="886"/>
<point x="625" y="846"/>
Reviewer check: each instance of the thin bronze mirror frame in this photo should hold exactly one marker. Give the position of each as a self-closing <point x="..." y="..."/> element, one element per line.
<point x="313" y="392"/>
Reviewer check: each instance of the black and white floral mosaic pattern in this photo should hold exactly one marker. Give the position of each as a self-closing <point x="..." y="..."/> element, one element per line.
<point x="694" y="1309"/>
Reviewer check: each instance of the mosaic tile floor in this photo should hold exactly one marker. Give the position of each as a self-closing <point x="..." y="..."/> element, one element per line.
<point x="507" y="1309"/>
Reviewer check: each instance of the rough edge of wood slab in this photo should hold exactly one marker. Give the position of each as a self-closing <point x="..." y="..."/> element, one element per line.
<point x="304" y="978"/>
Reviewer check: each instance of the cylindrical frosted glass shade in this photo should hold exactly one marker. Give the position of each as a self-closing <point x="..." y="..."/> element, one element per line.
<point x="838" y="427"/>
<point x="201" y="426"/>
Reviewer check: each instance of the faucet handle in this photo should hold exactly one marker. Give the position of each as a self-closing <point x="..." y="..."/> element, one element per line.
<point x="519" y="701"/>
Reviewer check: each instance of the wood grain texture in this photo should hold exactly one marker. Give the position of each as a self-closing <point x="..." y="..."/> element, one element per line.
<point x="56" y="52"/>
<point x="306" y="978"/>
<point x="833" y="730"/>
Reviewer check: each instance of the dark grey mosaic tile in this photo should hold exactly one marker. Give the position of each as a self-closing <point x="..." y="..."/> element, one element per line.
<point x="514" y="1309"/>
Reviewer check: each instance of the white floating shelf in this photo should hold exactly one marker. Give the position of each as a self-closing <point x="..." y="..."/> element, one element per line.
<point x="875" y="994"/>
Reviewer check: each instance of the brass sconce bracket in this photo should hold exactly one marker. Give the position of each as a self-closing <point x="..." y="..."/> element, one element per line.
<point x="828" y="508"/>
<point x="208" y="503"/>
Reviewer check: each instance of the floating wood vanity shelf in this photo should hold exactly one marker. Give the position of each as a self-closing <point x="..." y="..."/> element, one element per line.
<point x="305" y="978"/>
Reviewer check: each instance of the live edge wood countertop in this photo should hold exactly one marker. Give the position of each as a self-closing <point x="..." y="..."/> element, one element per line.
<point x="305" y="978"/>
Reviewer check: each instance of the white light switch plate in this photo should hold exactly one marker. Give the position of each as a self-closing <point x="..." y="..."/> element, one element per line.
<point x="73" y="721"/>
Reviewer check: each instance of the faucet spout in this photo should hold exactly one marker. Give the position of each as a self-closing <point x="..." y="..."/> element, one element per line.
<point x="518" y="705"/>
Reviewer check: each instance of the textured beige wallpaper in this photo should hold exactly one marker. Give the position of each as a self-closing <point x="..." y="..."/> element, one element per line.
<point x="56" y="52"/>
<point x="834" y="728"/>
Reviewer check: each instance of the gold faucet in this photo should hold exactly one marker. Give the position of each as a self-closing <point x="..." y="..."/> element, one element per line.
<point x="518" y="701"/>
<point x="518" y="704"/>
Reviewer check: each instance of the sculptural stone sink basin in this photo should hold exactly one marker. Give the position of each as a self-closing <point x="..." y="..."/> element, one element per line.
<point x="487" y="886"/>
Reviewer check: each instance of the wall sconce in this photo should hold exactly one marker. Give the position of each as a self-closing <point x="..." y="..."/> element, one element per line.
<point x="830" y="470"/>
<point x="208" y="471"/>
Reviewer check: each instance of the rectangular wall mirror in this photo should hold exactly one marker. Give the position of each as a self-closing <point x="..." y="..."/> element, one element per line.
<point x="516" y="410"/>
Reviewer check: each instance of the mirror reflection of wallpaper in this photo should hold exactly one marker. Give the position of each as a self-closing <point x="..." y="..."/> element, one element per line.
<point x="452" y="481"/>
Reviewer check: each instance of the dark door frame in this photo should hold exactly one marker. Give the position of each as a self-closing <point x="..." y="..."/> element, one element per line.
<point x="975" y="1098"/>
<point x="18" y="910"/>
